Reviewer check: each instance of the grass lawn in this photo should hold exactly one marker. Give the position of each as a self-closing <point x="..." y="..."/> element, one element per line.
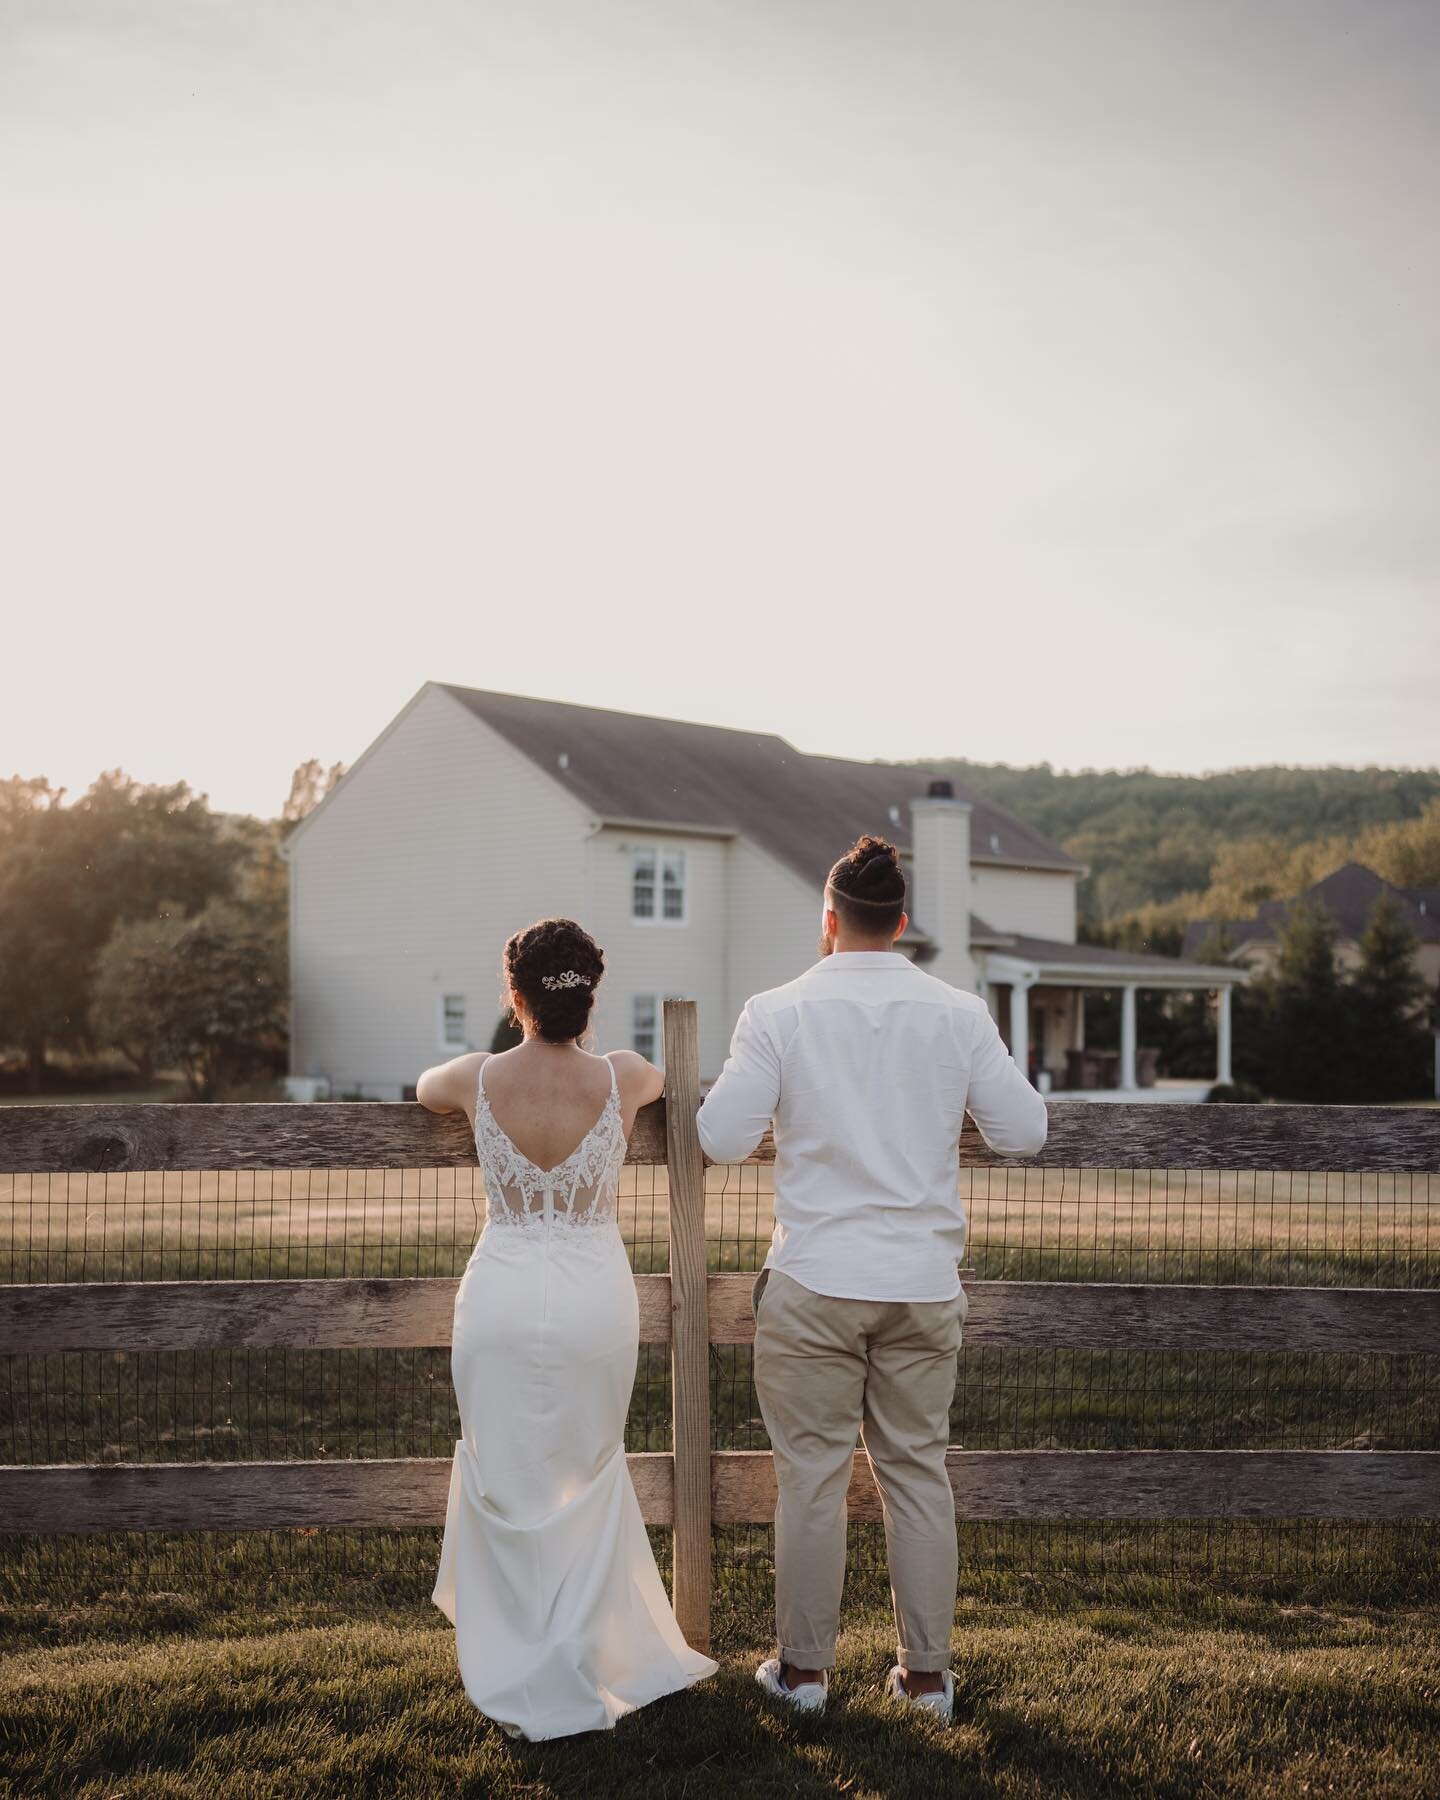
<point x="239" y="1673"/>
<point x="256" y="1684"/>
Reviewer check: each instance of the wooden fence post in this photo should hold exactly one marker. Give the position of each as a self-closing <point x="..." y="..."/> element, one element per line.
<point x="690" y="1333"/>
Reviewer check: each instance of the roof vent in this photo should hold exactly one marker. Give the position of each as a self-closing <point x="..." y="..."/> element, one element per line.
<point x="995" y="842"/>
<point x="563" y="759"/>
<point x="940" y="789"/>
<point x="895" y="820"/>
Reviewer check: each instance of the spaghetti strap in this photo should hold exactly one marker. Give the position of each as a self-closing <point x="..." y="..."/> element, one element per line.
<point x="586" y="1180"/>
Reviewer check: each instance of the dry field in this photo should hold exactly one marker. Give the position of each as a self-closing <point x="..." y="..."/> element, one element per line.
<point x="1137" y="1225"/>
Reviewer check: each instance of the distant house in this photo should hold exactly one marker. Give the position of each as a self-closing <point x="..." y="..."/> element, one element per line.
<point x="696" y="855"/>
<point x="1349" y="896"/>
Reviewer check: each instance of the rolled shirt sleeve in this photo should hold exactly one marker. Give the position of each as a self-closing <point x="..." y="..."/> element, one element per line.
<point x="738" y="1110"/>
<point x="1009" y="1112"/>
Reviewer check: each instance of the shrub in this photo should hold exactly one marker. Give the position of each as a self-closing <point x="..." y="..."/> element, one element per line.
<point x="1236" y="1093"/>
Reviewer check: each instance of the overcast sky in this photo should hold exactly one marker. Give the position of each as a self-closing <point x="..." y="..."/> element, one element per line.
<point x="1019" y="381"/>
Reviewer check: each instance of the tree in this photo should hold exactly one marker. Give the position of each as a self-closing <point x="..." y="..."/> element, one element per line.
<point x="1304" y="1017"/>
<point x="262" y="878"/>
<point x="41" y="919"/>
<point x="69" y="874"/>
<point x="309" y="785"/>
<point x="1390" y="1039"/>
<point x="124" y="1010"/>
<point x="1406" y="853"/>
<point x="207" y="994"/>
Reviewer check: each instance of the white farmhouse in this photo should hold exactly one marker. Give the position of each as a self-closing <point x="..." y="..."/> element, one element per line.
<point x="696" y="855"/>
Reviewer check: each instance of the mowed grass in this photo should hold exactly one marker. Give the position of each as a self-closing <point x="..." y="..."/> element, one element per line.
<point x="253" y="1685"/>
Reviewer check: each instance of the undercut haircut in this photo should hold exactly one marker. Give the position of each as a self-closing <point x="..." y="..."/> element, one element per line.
<point x="867" y="888"/>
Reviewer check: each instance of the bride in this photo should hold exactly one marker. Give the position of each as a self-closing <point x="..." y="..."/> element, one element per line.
<point x="561" y="1620"/>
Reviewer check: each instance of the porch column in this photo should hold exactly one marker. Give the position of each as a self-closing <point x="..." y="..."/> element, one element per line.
<point x="1077" y="1028"/>
<point x="1020" y="1025"/>
<point x="1127" y="1036"/>
<point x="1222" y="1037"/>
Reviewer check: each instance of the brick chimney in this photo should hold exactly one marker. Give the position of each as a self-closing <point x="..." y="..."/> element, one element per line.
<point x="940" y="881"/>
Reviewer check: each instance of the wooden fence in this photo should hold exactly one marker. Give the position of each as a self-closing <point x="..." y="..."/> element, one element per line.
<point x="690" y="1309"/>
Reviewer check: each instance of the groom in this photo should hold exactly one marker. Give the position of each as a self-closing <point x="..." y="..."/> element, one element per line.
<point x="866" y="1066"/>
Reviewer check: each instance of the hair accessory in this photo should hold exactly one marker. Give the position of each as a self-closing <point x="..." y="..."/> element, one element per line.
<point x="567" y="978"/>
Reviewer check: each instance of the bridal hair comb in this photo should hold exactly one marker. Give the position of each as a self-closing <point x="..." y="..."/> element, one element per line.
<point x="567" y="978"/>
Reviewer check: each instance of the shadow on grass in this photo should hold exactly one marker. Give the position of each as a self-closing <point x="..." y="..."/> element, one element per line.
<point x="724" y="1737"/>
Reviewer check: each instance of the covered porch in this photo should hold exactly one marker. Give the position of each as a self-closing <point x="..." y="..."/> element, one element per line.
<point x="1036" y="989"/>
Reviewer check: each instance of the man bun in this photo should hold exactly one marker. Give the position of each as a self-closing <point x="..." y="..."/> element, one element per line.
<point x="869" y="870"/>
<point x="867" y="886"/>
<point x="555" y="967"/>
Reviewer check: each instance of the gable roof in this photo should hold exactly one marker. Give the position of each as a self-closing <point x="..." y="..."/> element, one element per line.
<point x="802" y="809"/>
<point x="1349" y="894"/>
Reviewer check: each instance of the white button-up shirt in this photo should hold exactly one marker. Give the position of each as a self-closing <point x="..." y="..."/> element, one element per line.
<point x="867" y="1066"/>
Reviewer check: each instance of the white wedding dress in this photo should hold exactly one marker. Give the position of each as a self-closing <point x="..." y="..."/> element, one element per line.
<point x="561" y="1620"/>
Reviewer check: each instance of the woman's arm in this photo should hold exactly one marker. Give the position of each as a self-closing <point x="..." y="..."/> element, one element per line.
<point x="450" y="1086"/>
<point x="639" y="1081"/>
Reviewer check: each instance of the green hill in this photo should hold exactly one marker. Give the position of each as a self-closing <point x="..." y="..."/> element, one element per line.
<point x="1149" y="839"/>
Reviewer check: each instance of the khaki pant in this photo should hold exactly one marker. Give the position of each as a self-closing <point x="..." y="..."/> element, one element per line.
<point x="825" y="1370"/>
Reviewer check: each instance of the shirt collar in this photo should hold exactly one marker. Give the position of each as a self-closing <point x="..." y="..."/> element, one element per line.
<point x="864" y="959"/>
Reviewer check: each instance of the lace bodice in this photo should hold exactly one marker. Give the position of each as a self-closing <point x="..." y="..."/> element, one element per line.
<point x="576" y="1194"/>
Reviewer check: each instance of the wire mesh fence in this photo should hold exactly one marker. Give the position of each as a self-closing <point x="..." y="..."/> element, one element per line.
<point x="1155" y="1227"/>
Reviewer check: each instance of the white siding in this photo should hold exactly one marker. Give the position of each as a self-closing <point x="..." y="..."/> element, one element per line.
<point x="427" y="856"/>
<point x="444" y="839"/>
<point x="653" y="957"/>
<point x="775" y="928"/>
<point x="1029" y="901"/>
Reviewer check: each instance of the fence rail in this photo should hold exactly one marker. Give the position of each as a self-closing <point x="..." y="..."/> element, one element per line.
<point x="416" y="1313"/>
<point x="379" y="1134"/>
<point x="690" y="1309"/>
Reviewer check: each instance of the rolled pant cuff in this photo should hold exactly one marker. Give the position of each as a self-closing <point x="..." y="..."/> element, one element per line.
<point x="921" y="1663"/>
<point x="807" y="1659"/>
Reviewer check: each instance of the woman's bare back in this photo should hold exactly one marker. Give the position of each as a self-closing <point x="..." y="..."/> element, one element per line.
<point x="546" y="1097"/>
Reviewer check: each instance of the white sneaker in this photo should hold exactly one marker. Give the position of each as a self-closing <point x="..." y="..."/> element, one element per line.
<point x="942" y="1704"/>
<point x="808" y="1697"/>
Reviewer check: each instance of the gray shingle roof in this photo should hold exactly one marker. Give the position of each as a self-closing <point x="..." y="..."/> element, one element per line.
<point x="804" y="810"/>
<point x="1426" y="901"/>
<point x="1349" y="894"/>
<point x="1237" y="932"/>
<point x="1050" y="950"/>
<point x="981" y="933"/>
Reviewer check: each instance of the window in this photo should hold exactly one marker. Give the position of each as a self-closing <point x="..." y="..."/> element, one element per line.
<point x="642" y="885"/>
<point x="672" y="886"/>
<point x="657" y="885"/>
<point x="645" y="1026"/>
<point x="452" y="1023"/>
<point x="646" y="1031"/>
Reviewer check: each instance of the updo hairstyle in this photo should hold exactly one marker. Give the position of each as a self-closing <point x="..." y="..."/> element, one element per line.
<point x="867" y="886"/>
<point x="555" y="967"/>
